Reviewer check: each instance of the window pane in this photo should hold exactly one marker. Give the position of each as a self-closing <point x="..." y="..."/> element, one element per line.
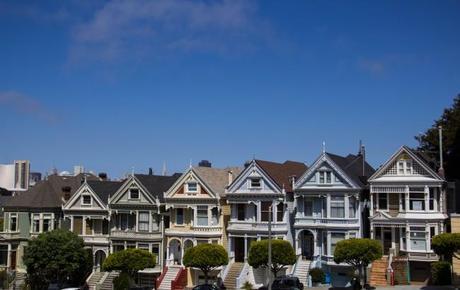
<point x="352" y="207"/>
<point x="202" y="215"/>
<point x="255" y="182"/>
<point x="179" y="216"/>
<point x="192" y="187"/>
<point x="265" y="207"/>
<point x="383" y="201"/>
<point x="280" y="212"/>
<point x="308" y="207"/>
<point x="215" y="216"/>
<point x="134" y="193"/>
<point x="143" y="221"/>
<point x="335" y="238"/>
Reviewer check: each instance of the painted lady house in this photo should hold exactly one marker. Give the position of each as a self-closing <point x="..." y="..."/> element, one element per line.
<point x="407" y="209"/>
<point x="196" y="215"/>
<point x="328" y="198"/>
<point x="262" y="186"/>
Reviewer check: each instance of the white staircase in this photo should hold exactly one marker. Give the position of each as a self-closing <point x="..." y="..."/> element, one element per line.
<point x="170" y="275"/>
<point x="107" y="284"/>
<point x="93" y="279"/>
<point x="301" y="270"/>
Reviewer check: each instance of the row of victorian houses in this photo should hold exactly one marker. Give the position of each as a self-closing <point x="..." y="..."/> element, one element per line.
<point x="402" y="204"/>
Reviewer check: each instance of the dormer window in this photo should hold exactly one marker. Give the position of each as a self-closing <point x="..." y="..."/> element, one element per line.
<point x="404" y="167"/>
<point x="134" y="193"/>
<point x="86" y="199"/>
<point x="192" y="187"/>
<point x="325" y="177"/>
<point x="255" y="183"/>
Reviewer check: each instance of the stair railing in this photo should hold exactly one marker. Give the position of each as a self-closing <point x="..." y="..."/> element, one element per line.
<point x="161" y="277"/>
<point x="390" y="273"/>
<point x="180" y="281"/>
<point x="224" y="272"/>
<point x="243" y="276"/>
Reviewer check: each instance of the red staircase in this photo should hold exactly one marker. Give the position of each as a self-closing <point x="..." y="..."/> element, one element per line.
<point x="180" y="281"/>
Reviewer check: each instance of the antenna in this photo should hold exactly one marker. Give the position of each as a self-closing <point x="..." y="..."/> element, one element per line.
<point x="132" y="171"/>
<point x="190" y="164"/>
<point x="441" y="165"/>
<point x="324" y="147"/>
<point x="164" y="168"/>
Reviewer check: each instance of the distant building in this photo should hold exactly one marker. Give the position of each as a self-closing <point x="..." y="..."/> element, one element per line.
<point x="15" y="177"/>
<point x="34" y="178"/>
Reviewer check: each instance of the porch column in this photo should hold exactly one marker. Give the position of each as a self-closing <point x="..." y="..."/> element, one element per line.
<point x="393" y="237"/>
<point x="181" y="251"/>
<point x="8" y="256"/>
<point x="371" y="211"/>
<point x="328" y="206"/>
<point x="328" y="246"/>
<point x="230" y="246"/>
<point x="407" y="197"/>
<point x="258" y="211"/>
<point x="315" y="244"/>
<point x="372" y="231"/>
<point x="245" y="247"/>
<point x="298" y="250"/>
<point x="407" y="238"/>
<point x="167" y="252"/>
<point x="427" y="237"/>
<point x="441" y="200"/>
<point x="427" y="198"/>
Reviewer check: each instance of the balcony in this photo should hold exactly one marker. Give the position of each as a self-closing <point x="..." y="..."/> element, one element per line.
<point x="10" y="235"/>
<point x="132" y="234"/>
<point x="249" y="226"/>
<point x="95" y="239"/>
<point x="202" y="231"/>
<point x="325" y="222"/>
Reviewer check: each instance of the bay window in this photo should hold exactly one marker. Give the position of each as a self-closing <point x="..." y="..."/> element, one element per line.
<point x="352" y="207"/>
<point x="417" y="238"/>
<point x="35" y="222"/>
<point x="417" y="199"/>
<point x="337" y="207"/>
<point x="335" y="238"/>
<point x="144" y="219"/>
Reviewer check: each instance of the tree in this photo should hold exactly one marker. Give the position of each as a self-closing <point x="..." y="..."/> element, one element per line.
<point x="57" y="256"/>
<point x="359" y="253"/>
<point x="446" y="245"/>
<point x="283" y="254"/>
<point x="129" y="261"/>
<point x="429" y="141"/>
<point x="206" y="257"/>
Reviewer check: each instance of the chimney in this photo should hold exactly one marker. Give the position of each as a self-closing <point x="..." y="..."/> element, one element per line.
<point x="204" y="163"/>
<point x="150" y="171"/>
<point x="441" y="161"/>
<point x="292" y="179"/>
<point x="230" y="177"/>
<point x="102" y="176"/>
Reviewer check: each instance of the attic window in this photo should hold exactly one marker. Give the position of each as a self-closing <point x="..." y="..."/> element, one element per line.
<point x="256" y="183"/>
<point x="192" y="187"/>
<point x="404" y="167"/>
<point x="325" y="177"/>
<point x="134" y="193"/>
<point x="86" y="200"/>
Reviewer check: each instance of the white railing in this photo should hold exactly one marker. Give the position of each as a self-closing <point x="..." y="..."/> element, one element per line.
<point x="224" y="272"/>
<point x="134" y="234"/>
<point x="258" y="226"/>
<point x="310" y="220"/>
<point x="243" y="277"/>
<point x="206" y="228"/>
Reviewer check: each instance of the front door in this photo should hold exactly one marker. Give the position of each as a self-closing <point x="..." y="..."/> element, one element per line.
<point x="307" y="245"/>
<point x="239" y="249"/>
<point x="386" y="241"/>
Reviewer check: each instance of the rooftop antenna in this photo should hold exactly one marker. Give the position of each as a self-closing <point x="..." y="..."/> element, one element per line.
<point x="441" y="165"/>
<point x="190" y="164"/>
<point x="164" y="168"/>
<point x="132" y="171"/>
<point x="324" y="147"/>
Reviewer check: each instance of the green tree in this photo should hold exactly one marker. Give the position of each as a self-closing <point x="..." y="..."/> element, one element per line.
<point x="206" y="257"/>
<point x="129" y="261"/>
<point x="57" y="256"/>
<point x="359" y="253"/>
<point x="283" y="254"/>
<point x="429" y="141"/>
<point x="446" y="245"/>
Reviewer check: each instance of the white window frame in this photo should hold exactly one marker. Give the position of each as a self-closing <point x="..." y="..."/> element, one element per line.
<point x="323" y="177"/>
<point x="138" y="193"/>
<point x="193" y="191"/>
<point x="342" y="201"/>
<point x="176" y="215"/>
<point x="202" y="208"/>
<point x="404" y="167"/>
<point x="35" y="218"/>
<point x="50" y="225"/>
<point x="251" y="184"/>
<point x="139" y="222"/>
<point x="83" y="199"/>
<point x="304" y="207"/>
<point x="16" y="216"/>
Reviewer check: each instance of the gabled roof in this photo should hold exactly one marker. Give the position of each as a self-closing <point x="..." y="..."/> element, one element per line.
<point x="352" y="165"/>
<point x="281" y="172"/>
<point x="48" y="193"/>
<point x="157" y="185"/>
<point x="216" y="178"/>
<point x="104" y="189"/>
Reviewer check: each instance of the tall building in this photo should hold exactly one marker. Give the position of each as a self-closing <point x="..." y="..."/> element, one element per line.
<point x="15" y="177"/>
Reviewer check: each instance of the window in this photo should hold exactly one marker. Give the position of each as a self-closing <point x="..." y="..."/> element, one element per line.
<point x="143" y="246"/>
<point x="35" y="223"/>
<point x="308" y="207"/>
<point x="47" y="223"/>
<point x="97" y="226"/>
<point x="202" y="215"/>
<point x="321" y="177"/>
<point x="337" y="207"/>
<point x="155" y="225"/>
<point x="256" y="183"/>
<point x="383" y="201"/>
<point x="432" y="234"/>
<point x="352" y="207"/>
<point x="192" y="187"/>
<point x="279" y="212"/>
<point x="143" y="221"/>
<point x="432" y="199"/>
<point x="3" y="255"/>
<point x="86" y="199"/>
<point x="403" y="238"/>
<point x="417" y="201"/>
<point x="325" y="177"/>
<point x="417" y="239"/>
<point x="335" y="238"/>
<point x="77" y="225"/>
<point x="134" y="193"/>
<point x="156" y="251"/>
<point x="240" y="211"/>
<point x="179" y="216"/>
<point x="13" y="222"/>
<point x="402" y="201"/>
<point x="214" y="216"/>
<point x="265" y="210"/>
<point x="328" y="177"/>
<point x="404" y="167"/>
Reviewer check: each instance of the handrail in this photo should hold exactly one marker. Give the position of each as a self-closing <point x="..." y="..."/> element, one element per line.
<point x="160" y="278"/>
<point x="180" y="281"/>
<point x="295" y="265"/>
<point x="243" y="275"/>
<point x="390" y="277"/>
<point x="224" y="272"/>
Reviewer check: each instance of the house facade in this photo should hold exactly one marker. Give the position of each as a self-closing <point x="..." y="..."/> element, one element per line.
<point x="328" y="199"/>
<point x="262" y="186"/>
<point x="407" y="208"/>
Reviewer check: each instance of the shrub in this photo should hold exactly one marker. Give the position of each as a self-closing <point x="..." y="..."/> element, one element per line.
<point x="440" y="273"/>
<point x="122" y="282"/>
<point x="317" y="275"/>
<point x="247" y="286"/>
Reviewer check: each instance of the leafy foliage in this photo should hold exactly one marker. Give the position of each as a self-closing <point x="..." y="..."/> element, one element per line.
<point x="206" y="257"/>
<point x="446" y="244"/>
<point x="129" y="261"/>
<point x="359" y="253"/>
<point x="283" y="254"/>
<point x="122" y="282"/>
<point x="317" y="275"/>
<point x="56" y="256"/>
<point x="441" y="273"/>
<point x="247" y="286"/>
<point x="429" y="141"/>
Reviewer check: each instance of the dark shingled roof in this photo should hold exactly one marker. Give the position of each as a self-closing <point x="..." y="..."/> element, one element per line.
<point x="352" y="165"/>
<point x="281" y="172"/>
<point x="104" y="189"/>
<point x="48" y="193"/>
<point x="157" y="185"/>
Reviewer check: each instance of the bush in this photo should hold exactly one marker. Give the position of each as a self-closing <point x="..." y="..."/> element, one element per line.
<point x="122" y="282"/>
<point x="247" y="286"/>
<point x="440" y="273"/>
<point x="317" y="275"/>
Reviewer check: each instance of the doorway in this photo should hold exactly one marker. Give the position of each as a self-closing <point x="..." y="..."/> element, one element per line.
<point x="239" y="249"/>
<point x="386" y="240"/>
<point x="99" y="258"/>
<point x="307" y="242"/>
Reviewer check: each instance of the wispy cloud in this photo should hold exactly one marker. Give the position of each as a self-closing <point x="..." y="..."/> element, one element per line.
<point x="24" y="104"/>
<point x="126" y="29"/>
<point x="372" y="66"/>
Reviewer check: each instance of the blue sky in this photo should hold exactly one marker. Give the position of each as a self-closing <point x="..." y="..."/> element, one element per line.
<point x="116" y="84"/>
